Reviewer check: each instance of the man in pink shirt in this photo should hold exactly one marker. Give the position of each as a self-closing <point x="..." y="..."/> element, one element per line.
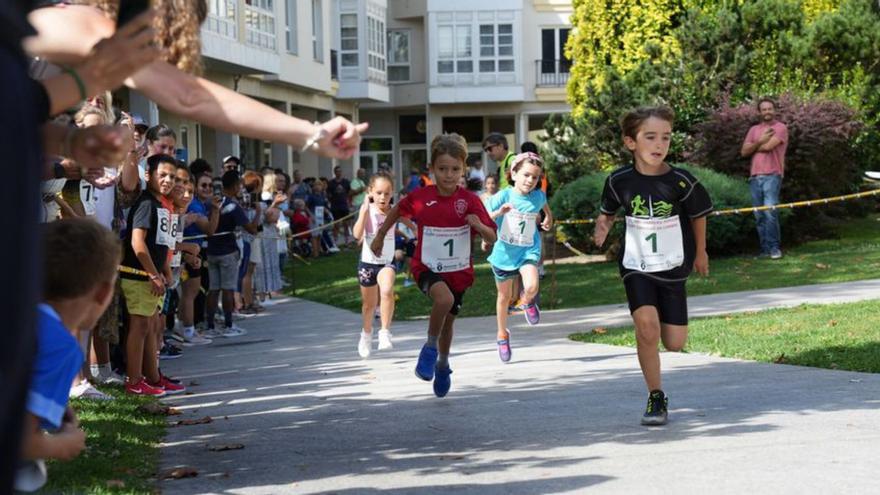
<point x="766" y="143"/>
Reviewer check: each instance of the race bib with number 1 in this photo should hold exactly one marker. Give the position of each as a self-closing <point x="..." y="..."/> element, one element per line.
<point x="518" y="229"/>
<point x="446" y="249"/>
<point x="653" y="244"/>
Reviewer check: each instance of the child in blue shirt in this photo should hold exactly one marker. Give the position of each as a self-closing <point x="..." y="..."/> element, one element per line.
<point x="515" y="210"/>
<point x="81" y="260"/>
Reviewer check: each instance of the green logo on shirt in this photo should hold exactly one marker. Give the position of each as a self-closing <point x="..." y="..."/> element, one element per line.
<point x="650" y="208"/>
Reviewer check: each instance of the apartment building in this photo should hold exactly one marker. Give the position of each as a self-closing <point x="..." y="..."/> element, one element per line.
<point x="282" y="53"/>
<point x="466" y="66"/>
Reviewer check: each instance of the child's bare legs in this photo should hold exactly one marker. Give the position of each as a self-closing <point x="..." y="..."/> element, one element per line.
<point x="139" y="332"/>
<point x="247" y="286"/>
<point x="444" y="345"/>
<point x="386" y="293"/>
<point x="529" y="274"/>
<point x="501" y="304"/>
<point x="151" y="349"/>
<point x="649" y="331"/>
<point x="442" y="302"/>
<point x="316" y="246"/>
<point x="190" y="289"/>
<point x="369" y="299"/>
<point x="211" y="306"/>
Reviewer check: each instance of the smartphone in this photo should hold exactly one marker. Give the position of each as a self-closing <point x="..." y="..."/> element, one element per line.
<point x="218" y="188"/>
<point x="129" y="9"/>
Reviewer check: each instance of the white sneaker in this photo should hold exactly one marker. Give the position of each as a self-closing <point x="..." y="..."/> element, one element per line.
<point x="195" y="339"/>
<point x="365" y="344"/>
<point x="385" y="339"/>
<point x="333" y="249"/>
<point x="213" y="333"/>
<point x="112" y="378"/>
<point x="86" y="390"/>
<point x="234" y="331"/>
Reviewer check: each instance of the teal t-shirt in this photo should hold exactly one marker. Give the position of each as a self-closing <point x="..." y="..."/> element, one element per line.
<point x="519" y="236"/>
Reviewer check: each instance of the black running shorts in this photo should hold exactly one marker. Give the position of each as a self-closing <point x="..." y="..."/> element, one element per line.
<point x="670" y="298"/>
<point x="428" y="279"/>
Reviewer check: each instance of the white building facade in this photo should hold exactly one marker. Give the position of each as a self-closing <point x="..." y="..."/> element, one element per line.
<point x="466" y="66"/>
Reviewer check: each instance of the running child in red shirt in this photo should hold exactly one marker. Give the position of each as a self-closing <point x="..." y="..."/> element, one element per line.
<point x="447" y="217"/>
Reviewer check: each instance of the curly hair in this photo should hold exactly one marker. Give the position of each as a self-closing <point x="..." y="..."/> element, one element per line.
<point x="87" y="110"/>
<point x="177" y="25"/>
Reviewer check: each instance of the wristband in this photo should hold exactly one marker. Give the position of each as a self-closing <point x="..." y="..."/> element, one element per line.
<point x="312" y="143"/>
<point x="78" y="80"/>
<point x="154" y="276"/>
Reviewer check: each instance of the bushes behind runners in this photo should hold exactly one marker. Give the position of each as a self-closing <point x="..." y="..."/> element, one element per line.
<point x="822" y="158"/>
<point x="729" y="234"/>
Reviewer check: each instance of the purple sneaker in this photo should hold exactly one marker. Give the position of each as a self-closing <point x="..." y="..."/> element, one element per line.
<point x="504" y="350"/>
<point x="533" y="314"/>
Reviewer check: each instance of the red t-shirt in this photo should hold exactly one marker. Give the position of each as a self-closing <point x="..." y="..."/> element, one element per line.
<point x="299" y="223"/>
<point x="434" y="210"/>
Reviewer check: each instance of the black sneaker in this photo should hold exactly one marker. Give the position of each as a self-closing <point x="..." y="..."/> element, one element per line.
<point x="656" y="411"/>
<point x="168" y="351"/>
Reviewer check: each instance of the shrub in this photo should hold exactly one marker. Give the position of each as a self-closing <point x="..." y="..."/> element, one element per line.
<point x="726" y="234"/>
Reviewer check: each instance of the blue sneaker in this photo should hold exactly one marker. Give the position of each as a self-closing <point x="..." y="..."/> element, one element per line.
<point x="427" y="360"/>
<point x="442" y="382"/>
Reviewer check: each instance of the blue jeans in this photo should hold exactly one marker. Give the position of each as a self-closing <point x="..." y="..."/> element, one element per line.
<point x="765" y="192"/>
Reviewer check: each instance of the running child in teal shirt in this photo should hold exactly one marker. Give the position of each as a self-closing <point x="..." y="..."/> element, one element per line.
<point x="516" y="210"/>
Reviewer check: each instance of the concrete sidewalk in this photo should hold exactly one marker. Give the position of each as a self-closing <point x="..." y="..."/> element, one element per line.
<point x="563" y="417"/>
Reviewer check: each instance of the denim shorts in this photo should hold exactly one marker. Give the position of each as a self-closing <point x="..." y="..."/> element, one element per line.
<point x="223" y="271"/>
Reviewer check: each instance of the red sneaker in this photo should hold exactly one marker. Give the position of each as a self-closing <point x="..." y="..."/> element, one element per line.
<point x="141" y="387"/>
<point x="168" y="386"/>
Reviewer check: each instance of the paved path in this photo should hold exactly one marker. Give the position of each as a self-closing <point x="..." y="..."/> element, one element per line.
<point x="562" y="418"/>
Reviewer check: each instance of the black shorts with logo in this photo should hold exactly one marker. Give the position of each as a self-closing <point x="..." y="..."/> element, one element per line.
<point x="368" y="273"/>
<point x="670" y="298"/>
<point x="428" y="279"/>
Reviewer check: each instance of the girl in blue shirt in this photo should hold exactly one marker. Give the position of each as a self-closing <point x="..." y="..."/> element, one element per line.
<point x="515" y="210"/>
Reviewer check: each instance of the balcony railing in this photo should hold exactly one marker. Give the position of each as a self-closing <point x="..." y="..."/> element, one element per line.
<point x="552" y="73"/>
<point x="221" y="18"/>
<point x="260" y="27"/>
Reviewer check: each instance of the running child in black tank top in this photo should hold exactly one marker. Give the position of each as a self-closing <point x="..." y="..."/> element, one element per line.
<point x="665" y="238"/>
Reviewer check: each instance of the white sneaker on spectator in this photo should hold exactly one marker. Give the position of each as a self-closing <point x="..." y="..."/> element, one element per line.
<point x="872" y="174"/>
<point x="85" y="390"/>
<point x="195" y="339"/>
<point x="234" y="331"/>
<point x="365" y="344"/>
<point x="112" y="378"/>
<point x="213" y="333"/>
<point x="385" y="339"/>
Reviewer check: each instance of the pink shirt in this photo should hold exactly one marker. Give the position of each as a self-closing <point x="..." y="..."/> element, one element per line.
<point x="769" y="162"/>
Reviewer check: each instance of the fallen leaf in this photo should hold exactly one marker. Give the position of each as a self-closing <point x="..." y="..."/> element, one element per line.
<point x="115" y="484"/>
<point x="189" y="422"/>
<point x="780" y="359"/>
<point x="832" y="323"/>
<point x="158" y="409"/>
<point x="600" y="331"/>
<point x="451" y="457"/>
<point x="181" y="472"/>
<point x="224" y="447"/>
<point x="822" y="266"/>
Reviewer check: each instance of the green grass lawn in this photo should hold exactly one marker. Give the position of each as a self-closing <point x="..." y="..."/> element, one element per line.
<point x="122" y="449"/>
<point x="853" y="255"/>
<point x="834" y="336"/>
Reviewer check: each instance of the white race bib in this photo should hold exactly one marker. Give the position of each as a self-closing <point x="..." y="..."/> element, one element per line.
<point x="446" y="249"/>
<point x="653" y="244"/>
<point x="319" y="216"/>
<point x="178" y="238"/>
<point x="518" y="228"/>
<point x="166" y="231"/>
<point x="88" y="197"/>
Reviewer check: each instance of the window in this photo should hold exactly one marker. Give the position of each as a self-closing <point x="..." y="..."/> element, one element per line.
<point x="398" y="55"/>
<point x="376" y="48"/>
<point x="553" y="59"/>
<point x="348" y="39"/>
<point x="221" y="18"/>
<point x="496" y="48"/>
<point x="456" y="53"/>
<point x="318" y="30"/>
<point x="376" y="154"/>
<point x="290" y="30"/>
<point x="259" y="19"/>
